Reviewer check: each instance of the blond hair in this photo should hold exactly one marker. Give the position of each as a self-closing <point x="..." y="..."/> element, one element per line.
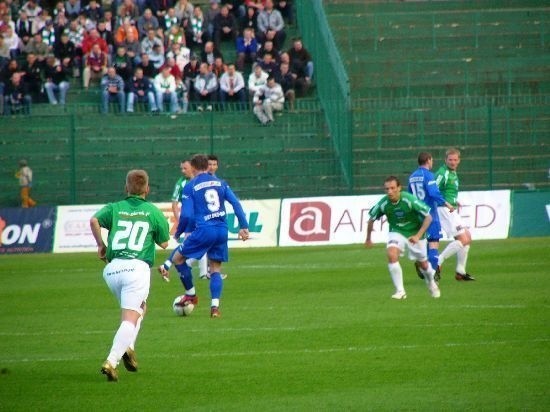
<point x="452" y="151"/>
<point x="137" y="182"/>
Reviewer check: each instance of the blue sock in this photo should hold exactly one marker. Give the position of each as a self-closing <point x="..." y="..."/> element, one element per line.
<point x="433" y="255"/>
<point x="171" y="257"/>
<point x="216" y="285"/>
<point x="186" y="276"/>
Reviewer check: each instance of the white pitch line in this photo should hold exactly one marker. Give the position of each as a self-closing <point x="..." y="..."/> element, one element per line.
<point x="289" y="352"/>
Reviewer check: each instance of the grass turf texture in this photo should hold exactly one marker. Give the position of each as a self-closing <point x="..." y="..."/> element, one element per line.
<point x="303" y="329"/>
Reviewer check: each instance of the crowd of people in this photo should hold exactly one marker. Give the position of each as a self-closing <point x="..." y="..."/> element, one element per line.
<point x="163" y="54"/>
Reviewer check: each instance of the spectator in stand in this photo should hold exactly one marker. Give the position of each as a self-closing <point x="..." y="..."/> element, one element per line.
<point x="76" y="36"/>
<point x="287" y="82"/>
<point x="269" y="65"/>
<point x="196" y="30"/>
<point x="13" y="43"/>
<point x="219" y="68"/>
<point x="268" y="98"/>
<point x="140" y="90"/>
<point x="247" y="47"/>
<point x="148" y="22"/>
<point x="5" y="21"/>
<point x="123" y="64"/>
<point x="157" y="56"/>
<point x="48" y="35"/>
<point x="133" y="46"/>
<point x="232" y="87"/>
<point x="11" y="8"/>
<point x="150" y="41"/>
<point x="31" y="9"/>
<point x="249" y="20"/>
<point x="181" y="54"/>
<point x="257" y="5"/>
<point x="169" y="20"/>
<point x="165" y="89"/>
<point x="206" y="87"/>
<point x="160" y="8"/>
<point x="236" y="8"/>
<point x="128" y="10"/>
<point x="184" y="12"/>
<point x="23" y="27"/>
<point x="65" y="51"/>
<point x="109" y="22"/>
<point x="175" y="35"/>
<point x="225" y="27"/>
<point x="4" y="53"/>
<point x="210" y="53"/>
<point x="256" y="80"/>
<point x="301" y="86"/>
<point x="94" y="11"/>
<point x="17" y="99"/>
<point x="5" y="77"/>
<point x="57" y="80"/>
<point x="112" y="87"/>
<point x="59" y="9"/>
<point x="61" y="23"/>
<point x="271" y="25"/>
<point x="190" y="73"/>
<point x="105" y="34"/>
<point x="183" y="95"/>
<point x="285" y="8"/>
<point x="174" y="69"/>
<point x="39" y="21"/>
<point x="37" y="47"/>
<point x="268" y="47"/>
<point x="147" y="66"/>
<point x="92" y="38"/>
<point x="210" y="17"/>
<point x="95" y="66"/>
<point x="33" y="76"/>
<point x="124" y="29"/>
<point x="72" y="8"/>
<point x="300" y="60"/>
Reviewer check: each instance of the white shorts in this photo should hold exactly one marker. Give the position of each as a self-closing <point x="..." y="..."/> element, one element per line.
<point x="451" y="223"/>
<point x="129" y="280"/>
<point x="417" y="251"/>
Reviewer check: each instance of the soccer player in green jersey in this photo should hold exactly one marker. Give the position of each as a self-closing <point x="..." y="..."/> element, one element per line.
<point x="134" y="226"/>
<point x="178" y="188"/>
<point x="408" y="218"/>
<point x="447" y="181"/>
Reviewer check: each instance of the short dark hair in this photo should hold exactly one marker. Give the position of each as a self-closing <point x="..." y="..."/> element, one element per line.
<point x="213" y="157"/>
<point x="392" y="179"/>
<point x="199" y="162"/>
<point x="423" y="158"/>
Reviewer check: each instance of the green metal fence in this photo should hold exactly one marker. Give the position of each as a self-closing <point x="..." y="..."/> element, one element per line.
<point x="330" y="79"/>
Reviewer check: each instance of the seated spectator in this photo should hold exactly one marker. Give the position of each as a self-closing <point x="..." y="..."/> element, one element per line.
<point x="109" y="22"/>
<point x="257" y="5"/>
<point x="190" y="73"/>
<point x="249" y="20"/>
<point x="33" y="76"/>
<point x="150" y="41"/>
<point x="122" y="31"/>
<point x="92" y="38"/>
<point x="112" y="87"/>
<point x="148" y="22"/>
<point x="232" y="87"/>
<point x="286" y="80"/>
<point x="94" y="11"/>
<point x="17" y="99"/>
<point x="48" y="35"/>
<point x="268" y="98"/>
<point x="206" y="87"/>
<point x="169" y="20"/>
<point x="209" y="17"/>
<point x="37" y="47"/>
<point x="76" y="35"/>
<point x="301" y="85"/>
<point x="157" y="56"/>
<point x="268" y="65"/>
<point x="4" y="53"/>
<point x="271" y="25"/>
<point x="183" y="95"/>
<point x="23" y="27"/>
<point x="268" y="47"/>
<point x="72" y="8"/>
<point x="5" y="77"/>
<point x="140" y="90"/>
<point x="256" y="80"/>
<point x="123" y="64"/>
<point x="181" y="54"/>
<point x="219" y="67"/>
<point x="65" y="51"/>
<point x="95" y="66"/>
<point x="210" y="53"/>
<point x="105" y="34"/>
<point x="225" y="27"/>
<point x="133" y="46"/>
<point x="301" y="62"/>
<point x="147" y="66"/>
<point x="57" y="80"/>
<point x="59" y="9"/>
<point x="31" y="9"/>
<point x="12" y="41"/>
<point x="196" y="34"/>
<point x="174" y="69"/>
<point x="285" y="8"/>
<point x="61" y="23"/>
<point x="247" y="47"/>
<point x="184" y="12"/>
<point x="85" y="22"/>
<point x="128" y="10"/>
<point x="40" y="21"/>
<point x="165" y="89"/>
<point x="175" y="35"/>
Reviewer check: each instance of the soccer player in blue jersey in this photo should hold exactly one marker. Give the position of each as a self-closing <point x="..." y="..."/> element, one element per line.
<point x="422" y="184"/>
<point x="203" y="202"/>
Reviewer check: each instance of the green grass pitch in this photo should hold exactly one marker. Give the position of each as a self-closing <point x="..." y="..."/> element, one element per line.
<point x="302" y="329"/>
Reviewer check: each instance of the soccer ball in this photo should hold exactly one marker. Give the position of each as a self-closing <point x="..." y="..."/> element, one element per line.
<point x="180" y="310"/>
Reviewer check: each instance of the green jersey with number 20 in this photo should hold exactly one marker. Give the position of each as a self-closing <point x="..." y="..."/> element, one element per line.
<point x="405" y="216"/>
<point x="134" y="226"/>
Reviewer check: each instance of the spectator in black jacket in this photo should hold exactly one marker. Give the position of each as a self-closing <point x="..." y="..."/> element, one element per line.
<point x="285" y="78"/>
<point x="225" y="27"/>
<point x="123" y="64"/>
<point x="140" y="89"/>
<point x="65" y="50"/>
<point x="17" y="99"/>
<point x="57" y="80"/>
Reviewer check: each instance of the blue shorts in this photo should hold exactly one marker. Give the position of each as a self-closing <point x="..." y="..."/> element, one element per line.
<point x="433" y="234"/>
<point x="211" y="240"/>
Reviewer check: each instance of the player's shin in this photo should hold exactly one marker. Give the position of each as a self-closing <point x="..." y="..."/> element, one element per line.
<point x="216" y="287"/>
<point x="121" y="342"/>
<point x="186" y="278"/>
<point x="396" y="273"/>
<point x="433" y="257"/>
<point x="462" y="259"/>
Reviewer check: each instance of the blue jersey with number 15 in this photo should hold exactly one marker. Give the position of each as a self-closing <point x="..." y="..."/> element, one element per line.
<point x="422" y="184"/>
<point x="203" y="200"/>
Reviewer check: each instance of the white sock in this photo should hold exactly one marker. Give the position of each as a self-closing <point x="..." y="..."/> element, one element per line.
<point x="123" y="338"/>
<point x="136" y="332"/>
<point x="190" y="262"/>
<point x="396" y="274"/>
<point x="168" y="263"/>
<point x="203" y="265"/>
<point x="215" y="302"/>
<point x="191" y="291"/>
<point x="450" y="250"/>
<point x="428" y="274"/>
<point x="462" y="259"/>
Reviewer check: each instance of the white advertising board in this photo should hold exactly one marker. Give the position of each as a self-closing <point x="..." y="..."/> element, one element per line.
<point x="343" y="220"/>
